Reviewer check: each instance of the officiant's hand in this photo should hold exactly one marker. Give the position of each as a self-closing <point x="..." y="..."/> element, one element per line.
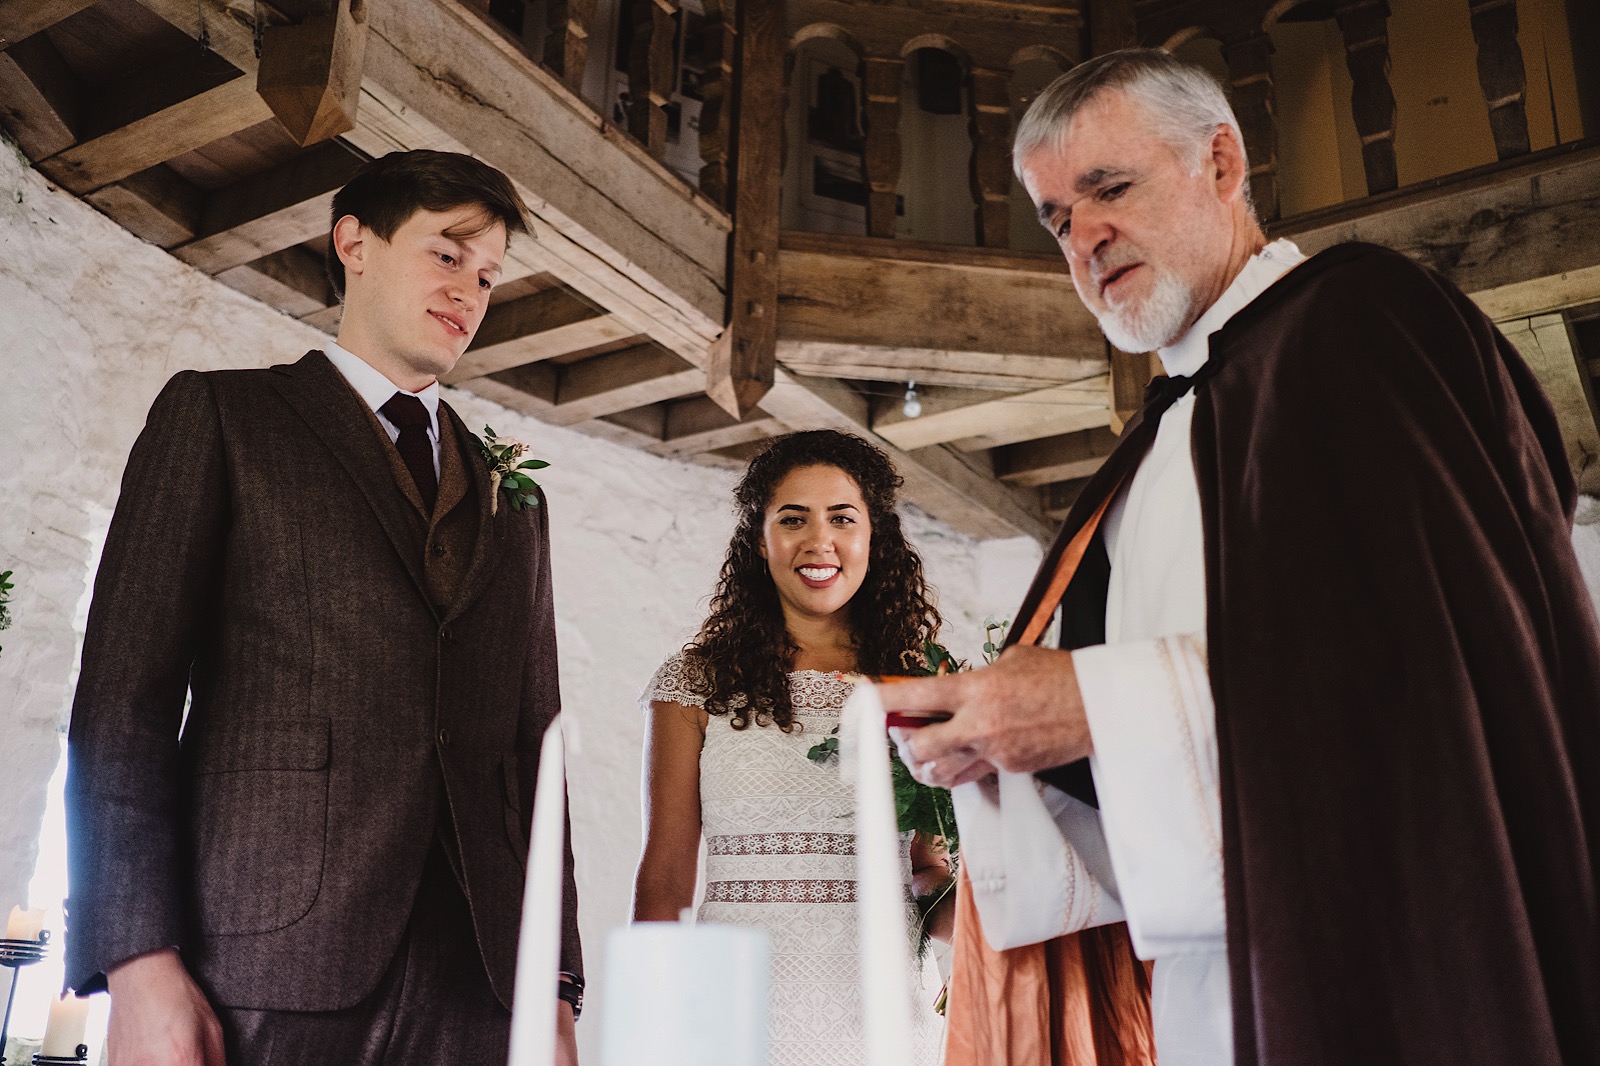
<point x="1024" y="714"/>
<point x="159" y="1016"/>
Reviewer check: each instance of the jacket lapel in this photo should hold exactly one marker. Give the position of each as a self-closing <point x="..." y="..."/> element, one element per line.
<point x="478" y="568"/>
<point x="326" y="403"/>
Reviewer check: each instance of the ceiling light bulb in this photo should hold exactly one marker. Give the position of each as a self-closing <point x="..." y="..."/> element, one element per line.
<point x="913" y="406"/>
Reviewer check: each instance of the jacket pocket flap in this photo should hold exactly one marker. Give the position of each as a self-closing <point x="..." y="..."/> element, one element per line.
<point x="264" y="744"/>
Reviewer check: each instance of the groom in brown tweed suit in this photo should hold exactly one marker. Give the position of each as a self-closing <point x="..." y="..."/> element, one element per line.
<point x="323" y="861"/>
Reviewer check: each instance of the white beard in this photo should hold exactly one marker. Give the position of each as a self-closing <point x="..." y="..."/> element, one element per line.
<point x="1153" y="323"/>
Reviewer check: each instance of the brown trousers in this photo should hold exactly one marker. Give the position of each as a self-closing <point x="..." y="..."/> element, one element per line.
<point x="433" y="1005"/>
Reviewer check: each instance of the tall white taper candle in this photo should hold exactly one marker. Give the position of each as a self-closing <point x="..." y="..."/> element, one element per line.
<point x="881" y="893"/>
<point x="533" y="1010"/>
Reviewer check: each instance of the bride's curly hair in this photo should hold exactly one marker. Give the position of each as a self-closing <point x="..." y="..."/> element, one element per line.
<point x="743" y="651"/>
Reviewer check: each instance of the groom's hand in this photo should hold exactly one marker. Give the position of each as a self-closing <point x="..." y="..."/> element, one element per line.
<point x="566" y="1035"/>
<point x="159" y="1016"/>
<point x="1023" y="714"/>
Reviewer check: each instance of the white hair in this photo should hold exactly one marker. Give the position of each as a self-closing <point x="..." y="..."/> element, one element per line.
<point x="1183" y="102"/>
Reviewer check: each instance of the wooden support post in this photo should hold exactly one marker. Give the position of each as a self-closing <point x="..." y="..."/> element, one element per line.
<point x="21" y="19"/>
<point x="744" y="359"/>
<point x="1364" y="25"/>
<point x="1111" y="26"/>
<point x="717" y="98"/>
<point x="989" y="101"/>
<point x="651" y="73"/>
<point x="566" y="46"/>
<point x="1248" y="54"/>
<point x="1501" y="73"/>
<point x="881" y="159"/>
<point x="310" y="73"/>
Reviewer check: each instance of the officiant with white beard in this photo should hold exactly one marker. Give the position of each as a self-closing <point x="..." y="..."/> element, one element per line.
<point x="1322" y="727"/>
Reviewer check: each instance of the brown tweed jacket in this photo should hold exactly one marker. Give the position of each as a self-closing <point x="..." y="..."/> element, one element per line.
<point x="362" y="679"/>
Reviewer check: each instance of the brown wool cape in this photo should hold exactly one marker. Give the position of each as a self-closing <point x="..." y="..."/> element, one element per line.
<point x="1406" y="671"/>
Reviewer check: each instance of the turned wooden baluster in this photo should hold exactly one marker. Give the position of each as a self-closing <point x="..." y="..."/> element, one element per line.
<point x="881" y="158"/>
<point x="1501" y="74"/>
<point x="989" y="108"/>
<point x="566" y="46"/>
<point x="651" y="73"/>
<point x="716" y="110"/>
<point x="1248" y="54"/>
<point x="1364" y="25"/>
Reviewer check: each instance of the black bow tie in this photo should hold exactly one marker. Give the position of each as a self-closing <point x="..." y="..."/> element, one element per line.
<point x="1163" y="391"/>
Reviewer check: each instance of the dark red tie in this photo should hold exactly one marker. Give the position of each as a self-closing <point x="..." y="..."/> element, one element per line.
<point x="416" y="449"/>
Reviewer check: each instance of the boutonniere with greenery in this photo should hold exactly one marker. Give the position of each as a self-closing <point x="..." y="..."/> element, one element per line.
<point x="508" y="466"/>
<point x="5" y="599"/>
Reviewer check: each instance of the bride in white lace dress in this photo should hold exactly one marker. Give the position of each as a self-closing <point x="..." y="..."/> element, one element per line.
<point x="819" y="579"/>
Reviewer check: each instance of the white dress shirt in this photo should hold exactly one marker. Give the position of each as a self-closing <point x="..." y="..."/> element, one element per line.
<point x="375" y="390"/>
<point x="1147" y="695"/>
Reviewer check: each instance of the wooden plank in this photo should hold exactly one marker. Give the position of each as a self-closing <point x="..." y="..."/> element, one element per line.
<point x="1539" y="296"/>
<point x="542" y="326"/>
<point x="720" y="49"/>
<point x="1131" y="373"/>
<point x="286" y="205"/>
<point x="973" y="370"/>
<point x="271" y="211"/>
<point x="973" y="419"/>
<point x="744" y="359"/>
<point x="989" y="108"/>
<point x="39" y="98"/>
<point x="1546" y="343"/>
<point x="155" y="204"/>
<point x="295" y="281"/>
<point x="651" y="73"/>
<point x="21" y="19"/>
<point x="1248" y="54"/>
<point x="1503" y="225"/>
<point x="310" y="73"/>
<point x="566" y="46"/>
<point x="327" y="320"/>
<point x="852" y="299"/>
<point x="621" y="381"/>
<point x="700" y="425"/>
<point x="155" y="138"/>
<point x="1066" y="457"/>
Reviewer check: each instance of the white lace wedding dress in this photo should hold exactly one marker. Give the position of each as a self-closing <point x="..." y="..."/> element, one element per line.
<point x="780" y="856"/>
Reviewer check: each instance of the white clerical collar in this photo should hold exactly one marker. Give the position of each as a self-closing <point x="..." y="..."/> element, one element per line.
<point x="1190" y="352"/>
<point x="375" y="389"/>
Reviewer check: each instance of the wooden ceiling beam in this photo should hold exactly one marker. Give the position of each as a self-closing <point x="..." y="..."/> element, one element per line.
<point x="276" y="209"/>
<point x="21" y="19"/>
<point x="41" y="100"/>
<point x="542" y="326"/>
<point x="293" y="280"/>
<point x="974" y="419"/>
<point x="701" y="425"/>
<point x="172" y="129"/>
<point x="156" y="205"/>
<point x="931" y="366"/>
<point x="1546" y="342"/>
<point x="1065" y="457"/>
<point x="620" y="381"/>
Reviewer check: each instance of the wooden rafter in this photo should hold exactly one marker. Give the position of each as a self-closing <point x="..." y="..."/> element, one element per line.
<point x="21" y="19"/>
<point x="1065" y="457"/>
<point x="972" y="419"/>
<point x="543" y="326"/>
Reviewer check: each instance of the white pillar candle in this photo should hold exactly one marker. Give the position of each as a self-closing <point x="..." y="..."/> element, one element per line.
<point x="678" y="994"/>
<point x="533" y="1010"/>
<point x="69" y="1016"/>
<point x="880" y="892"/>
<point x="25" y="925"/>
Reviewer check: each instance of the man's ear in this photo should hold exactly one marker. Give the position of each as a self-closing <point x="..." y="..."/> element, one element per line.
<point x="350" y="243"/>
<point x="1228" y="164"/>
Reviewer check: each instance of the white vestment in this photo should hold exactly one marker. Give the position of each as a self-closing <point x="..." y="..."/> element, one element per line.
<point x="1042" y="863"/>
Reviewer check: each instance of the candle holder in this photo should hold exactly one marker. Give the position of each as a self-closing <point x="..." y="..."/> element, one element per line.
<point x="80" y="1059"/>
<point x="15" y="954"/>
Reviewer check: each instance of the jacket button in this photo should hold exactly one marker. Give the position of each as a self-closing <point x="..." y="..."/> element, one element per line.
<point x="444" y="738"/>
<point x="438" y="551"/>
<point x="444" y="635"/>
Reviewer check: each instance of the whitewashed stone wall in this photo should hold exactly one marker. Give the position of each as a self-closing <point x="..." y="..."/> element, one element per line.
<point x="92" y="324"/>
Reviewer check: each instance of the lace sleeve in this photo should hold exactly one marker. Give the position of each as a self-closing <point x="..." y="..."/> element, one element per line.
<point x="678" y="681"/>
